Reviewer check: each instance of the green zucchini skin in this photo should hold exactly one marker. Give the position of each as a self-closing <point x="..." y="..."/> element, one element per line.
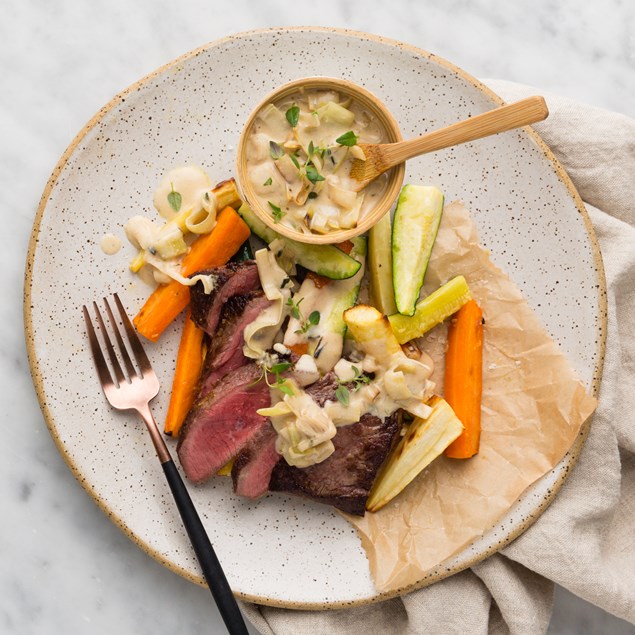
<point x="244" y="253"/>
<point x="349" y="290"/>
<point x="382" y="292"/>
<point x="414" y="231"/>
<point x="431" y="310"/>
<point x="325" y="260"/>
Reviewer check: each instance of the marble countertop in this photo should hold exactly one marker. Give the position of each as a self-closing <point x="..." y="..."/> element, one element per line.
<point x="65" y="567"/>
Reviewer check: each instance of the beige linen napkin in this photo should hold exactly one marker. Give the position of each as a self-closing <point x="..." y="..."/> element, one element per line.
<point x="585" y="540"/>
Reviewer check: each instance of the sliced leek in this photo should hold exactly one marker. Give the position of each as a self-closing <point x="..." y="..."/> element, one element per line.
<point x="432" y="310"/>
<point x="170" y="243"/>
<point x="423" y="442"/>
<point x="334" y="113"/>
<point x="138" y="261"/>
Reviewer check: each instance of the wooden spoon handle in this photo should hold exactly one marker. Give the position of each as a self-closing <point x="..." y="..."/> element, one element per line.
<point x="521" y="113"/>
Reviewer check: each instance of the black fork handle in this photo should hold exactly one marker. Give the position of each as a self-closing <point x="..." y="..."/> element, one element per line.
<point x="212" y="569"/>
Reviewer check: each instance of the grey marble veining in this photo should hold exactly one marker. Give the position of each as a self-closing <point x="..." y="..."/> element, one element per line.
<point x="65" y="567"/>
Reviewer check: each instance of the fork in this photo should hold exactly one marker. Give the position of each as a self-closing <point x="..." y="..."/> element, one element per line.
<point x="133" y="390"/>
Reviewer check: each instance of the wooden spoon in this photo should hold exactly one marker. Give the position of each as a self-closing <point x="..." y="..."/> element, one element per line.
<point x="383" y="156"/>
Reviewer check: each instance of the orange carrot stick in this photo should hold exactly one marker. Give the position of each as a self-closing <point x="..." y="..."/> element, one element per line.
<point x="464" y="377"/>
<point x="189" y="363"/>
<point x="217" y="247"/>
<point x="301" y="348"/>
<point x="318" y="280"/>
<point x="211" y="250"/>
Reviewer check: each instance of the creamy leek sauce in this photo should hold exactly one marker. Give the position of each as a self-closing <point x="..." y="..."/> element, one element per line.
<point x="190" y="181"/>
<point x="305" y="429"/>
<point x="299" y="156"/>
<point x="324" y="344"/>
<point x="324" y="341"/>
<point x="185" y="201"/>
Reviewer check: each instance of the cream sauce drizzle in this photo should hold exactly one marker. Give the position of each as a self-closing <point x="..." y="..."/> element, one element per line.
<point x="260" y="333"/>
<point x="305" y="429"/>
<point x="110" y="244"/>
<point x="190" y="181"/>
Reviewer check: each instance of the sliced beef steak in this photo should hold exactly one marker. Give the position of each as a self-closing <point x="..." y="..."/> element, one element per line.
<point x="225" y="353"/>
<point x="221" y="424"/>
<point x="252" y="468"/>
<point x="345" y="478"/>
<point x="232" y="279"/>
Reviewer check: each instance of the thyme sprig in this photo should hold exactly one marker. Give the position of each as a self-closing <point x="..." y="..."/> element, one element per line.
<point x="342" y="392"/>
<point x="278" y="382"/>
<point x="305" y="323"/>
<point x="276" y="212"/>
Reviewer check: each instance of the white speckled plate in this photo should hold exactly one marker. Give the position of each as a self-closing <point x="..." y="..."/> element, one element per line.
<point x="280" y="550"/>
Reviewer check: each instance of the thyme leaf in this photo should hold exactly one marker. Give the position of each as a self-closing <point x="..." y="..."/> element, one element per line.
<point x="275" y="150"/>
<point x="312" y="174"/>
<point x="293" y="115"/>
<point x="347" y="139"/>
<point x="174" y="199"/>
<point x="282" y="387"/>
<point x="343" y="395"/>
<point x="276" y="369"/>
<point x="277" y="213"/>
<point x="279" y="382"/>
<point x="294" y="308"/>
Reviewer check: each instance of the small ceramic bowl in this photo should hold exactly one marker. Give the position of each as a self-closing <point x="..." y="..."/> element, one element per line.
<point x="385" y="119"/>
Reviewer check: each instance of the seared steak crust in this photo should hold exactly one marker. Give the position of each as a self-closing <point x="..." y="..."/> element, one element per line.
<point x="344" y="479"/>
<point x="232" y="279"/>
<point x="225" y="352"/>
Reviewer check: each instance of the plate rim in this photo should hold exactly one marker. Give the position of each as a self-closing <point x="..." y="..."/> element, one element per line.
<point x="37" y="378"/>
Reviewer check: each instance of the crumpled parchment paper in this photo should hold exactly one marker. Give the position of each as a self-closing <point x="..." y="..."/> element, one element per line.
<point x="533" y="407"/>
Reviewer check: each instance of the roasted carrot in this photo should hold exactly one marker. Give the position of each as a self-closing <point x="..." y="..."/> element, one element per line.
<point x="301" y="348"/>
<point x="464" y="377"/>
<point x="189" y="363"/>
<point x="210" y="250"/>
<point x="318" y="280"/>
<point x="346" y="246"/>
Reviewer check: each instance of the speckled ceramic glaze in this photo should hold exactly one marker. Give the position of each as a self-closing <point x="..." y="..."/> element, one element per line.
<point x="280" y="550"/>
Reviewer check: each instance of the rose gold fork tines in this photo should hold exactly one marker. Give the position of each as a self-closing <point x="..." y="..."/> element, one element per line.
<point x="132" y="387"/>
<point x="137" y="386"/>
